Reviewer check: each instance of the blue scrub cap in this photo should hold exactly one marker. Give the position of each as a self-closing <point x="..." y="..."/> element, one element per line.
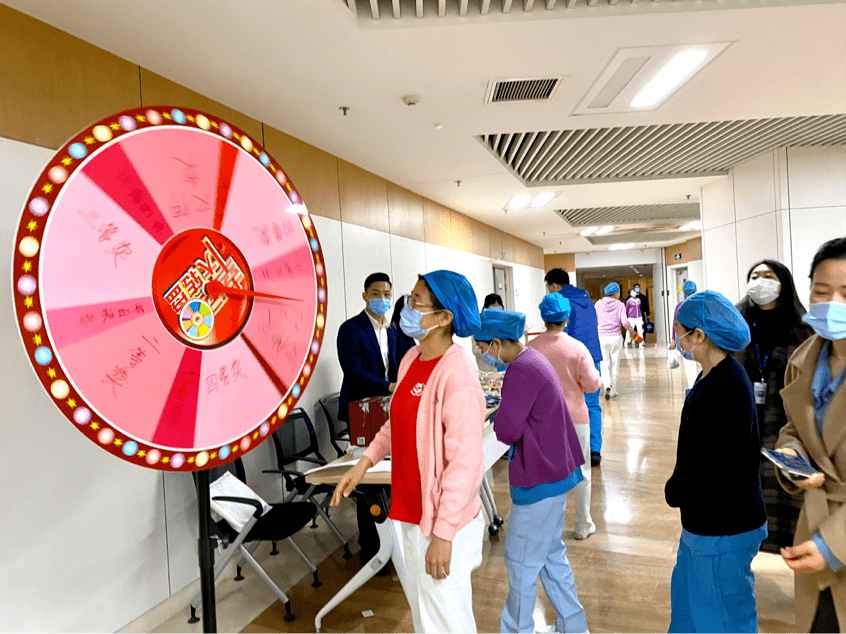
<point x="718" y="318"/>
<point x="500" y="324"/>
<point x="456" y="294"/>
<point x="689" y="287"/>
<point x="554" y="308"/>
<point x="612" y="288"/>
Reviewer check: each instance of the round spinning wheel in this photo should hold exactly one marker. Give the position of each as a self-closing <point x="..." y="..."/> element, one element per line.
<point x="169" y="288"/>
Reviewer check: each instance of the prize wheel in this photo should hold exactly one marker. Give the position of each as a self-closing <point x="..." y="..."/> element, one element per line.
<point x="169" y="288"/>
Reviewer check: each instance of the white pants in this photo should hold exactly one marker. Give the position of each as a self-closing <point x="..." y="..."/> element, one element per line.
<point x="637" y="324"/>
<point x="691" y="370"/>
<point x="609" y="367"/>
<point x="442" y="605"/>
<point x="581" y="492"/>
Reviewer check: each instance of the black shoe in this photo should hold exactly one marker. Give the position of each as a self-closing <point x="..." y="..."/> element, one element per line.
<point x="595" y="458"/>
<point x="607" y="395"/>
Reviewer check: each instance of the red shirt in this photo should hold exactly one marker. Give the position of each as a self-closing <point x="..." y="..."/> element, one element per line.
<point x="406" y="499"/>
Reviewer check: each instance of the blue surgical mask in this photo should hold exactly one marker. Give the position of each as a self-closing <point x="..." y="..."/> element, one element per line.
<point x="379" y="306"/>
<point x="828" y="320"/>
<point x="687" y="354"/>
<point x="410" y="323"/>
<point x="493" y="361"/>
<point x="637" y="289"/>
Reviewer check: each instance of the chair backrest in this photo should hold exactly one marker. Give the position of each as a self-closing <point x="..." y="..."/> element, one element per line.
<point x="337" y="428"/>
<point x="295" y="439"/>
<point x="235" y="467"/>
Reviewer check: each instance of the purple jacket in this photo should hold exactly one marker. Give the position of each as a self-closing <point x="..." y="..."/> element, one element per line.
<point x="633" y="308"/>
<point x="534" y="418"/>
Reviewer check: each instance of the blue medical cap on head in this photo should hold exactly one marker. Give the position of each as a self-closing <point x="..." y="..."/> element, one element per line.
<point x="718" y="318"/>
<point x="456" y="294"/>
<point x="500" y="324"/>
<point x="612" y="288"/>
<point x="689" y="287"/>
<point x="554" y="308"/>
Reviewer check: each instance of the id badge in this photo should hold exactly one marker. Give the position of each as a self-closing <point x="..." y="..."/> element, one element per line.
<point x="760" y="393"/>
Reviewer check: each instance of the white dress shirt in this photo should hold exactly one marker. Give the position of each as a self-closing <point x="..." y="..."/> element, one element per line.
<point x="382" y="338"/>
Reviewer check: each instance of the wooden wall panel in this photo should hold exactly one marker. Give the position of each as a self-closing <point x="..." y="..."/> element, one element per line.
<point x="508" y="246"/>
<point x="313" y="172"/>
<point x="437" y="220"/>
<point x="364" y="197"/>
<point x="461" y="232"/>
<point x="538" y="258"/>
<point x="159" y="91"/>
<point x="496" y="243"/>
<point x="566" y="261"/>
<point x="481" y="239"/>
<point x="405" y="212"/>
<point x="54" y="84"/>
<point x="689" y="251"/>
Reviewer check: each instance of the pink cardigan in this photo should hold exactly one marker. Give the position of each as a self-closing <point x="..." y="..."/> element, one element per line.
<point x="574" y="366"/>
<point x="449" y="443"/>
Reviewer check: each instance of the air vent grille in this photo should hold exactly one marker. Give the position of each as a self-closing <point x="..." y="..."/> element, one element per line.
<point x="654" y="151"/>
<point x="523" y="90"/>
<point x="633" y="214"/>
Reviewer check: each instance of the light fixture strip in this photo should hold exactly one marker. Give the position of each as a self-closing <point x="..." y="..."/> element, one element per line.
<point x="604" y="230"/>
<point x="541" y="200"/>
<point x="670" y="77"/>
<point x="518" y="201"/>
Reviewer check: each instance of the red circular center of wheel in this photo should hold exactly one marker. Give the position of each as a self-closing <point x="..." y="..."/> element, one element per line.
<point x="186" y="263"/>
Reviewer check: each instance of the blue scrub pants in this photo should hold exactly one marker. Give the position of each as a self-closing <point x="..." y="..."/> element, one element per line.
<point x="713" y="588"/>
<point x="533" y="548"/>
<point x="595" y="415"/>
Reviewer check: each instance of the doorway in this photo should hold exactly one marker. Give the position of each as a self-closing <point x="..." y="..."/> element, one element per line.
<point x="502" y="285"/>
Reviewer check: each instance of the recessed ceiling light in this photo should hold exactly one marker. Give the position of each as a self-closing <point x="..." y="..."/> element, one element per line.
<point x="671" y="76"/>
<point x="541" y="200"/>
<point x="604" y="230"/>
<point x="691" y="226"/>
<point x="624" y="246"/>
<point x="518" y="201"/>
<point x="589" y="231"/>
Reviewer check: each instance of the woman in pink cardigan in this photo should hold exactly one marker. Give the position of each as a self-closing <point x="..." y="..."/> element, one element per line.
<point x="434" y="436"/>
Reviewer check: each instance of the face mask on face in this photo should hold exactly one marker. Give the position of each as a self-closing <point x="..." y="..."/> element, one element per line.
<point x="410" y="323"/>
<point x="687" y="354"/>
<point x="379" y="306"/>
<point x="763" y="290"/>
<point x="637" y="289"/>
<point x="633" y="293"/>
<point x="493" y="361"/>
<point x="828" y="320"/>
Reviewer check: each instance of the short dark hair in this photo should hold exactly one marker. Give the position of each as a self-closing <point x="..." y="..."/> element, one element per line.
<point x="493" y="298"/>
<point x="376" y="277"/>
<point x="831" y="250"/>
<point x="557" y="276"/>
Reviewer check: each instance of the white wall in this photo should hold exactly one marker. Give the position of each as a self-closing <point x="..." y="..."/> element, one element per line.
<point x="100" y="542"/>
<point x="598" y="259"/>
<point x="780" y="205"/>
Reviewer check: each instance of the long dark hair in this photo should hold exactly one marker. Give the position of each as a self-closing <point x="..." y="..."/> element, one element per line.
<point x="789" y="304"/>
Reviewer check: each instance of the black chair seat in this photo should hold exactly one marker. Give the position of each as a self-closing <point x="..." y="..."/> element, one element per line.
<point x="282" y="521"/>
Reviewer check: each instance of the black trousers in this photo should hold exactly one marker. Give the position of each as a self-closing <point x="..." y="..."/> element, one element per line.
<point x="826" y="617"/>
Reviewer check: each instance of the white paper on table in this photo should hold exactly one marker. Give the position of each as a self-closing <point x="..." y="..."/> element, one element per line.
<point x="236" y="514"/>
<point x="383" y="467"/>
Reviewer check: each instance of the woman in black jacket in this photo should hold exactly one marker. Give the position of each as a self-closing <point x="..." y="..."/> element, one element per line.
<point x="773" y="312"/>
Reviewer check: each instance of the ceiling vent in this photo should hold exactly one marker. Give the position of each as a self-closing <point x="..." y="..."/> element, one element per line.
<point x="509" y="90"/>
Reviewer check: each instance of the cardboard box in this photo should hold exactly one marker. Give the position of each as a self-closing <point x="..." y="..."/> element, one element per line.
<point x="367" y="417"/>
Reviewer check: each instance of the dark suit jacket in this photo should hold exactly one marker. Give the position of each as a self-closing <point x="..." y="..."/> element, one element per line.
<point x="361" y="361"/>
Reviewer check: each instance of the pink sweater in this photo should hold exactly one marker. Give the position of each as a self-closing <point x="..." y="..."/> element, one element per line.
<point x="449" y="443"/>
<point x="574" y="365"/>
<point x="610" y="315"/>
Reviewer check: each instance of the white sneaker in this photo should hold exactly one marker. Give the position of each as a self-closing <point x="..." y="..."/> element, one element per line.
<point x="643" y="345"/>
<point x="614" y="392"/>
<point x="584" y="533"/>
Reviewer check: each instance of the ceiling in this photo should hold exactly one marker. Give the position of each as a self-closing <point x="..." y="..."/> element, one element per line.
<point x="294" y="63"/>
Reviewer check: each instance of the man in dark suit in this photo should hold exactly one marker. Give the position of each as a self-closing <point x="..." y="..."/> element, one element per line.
<point x="367" y="351"/>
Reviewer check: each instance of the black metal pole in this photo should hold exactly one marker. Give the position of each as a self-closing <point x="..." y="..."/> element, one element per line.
<point x="206" y="553"/>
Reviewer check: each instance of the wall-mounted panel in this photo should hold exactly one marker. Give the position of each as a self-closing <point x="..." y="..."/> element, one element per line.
<point x="481" y="239"/>
<point x="508" y="246"/>
<point x="461" y="232"/>
<point x="720" y="248"/>
<point x="755" y="187"/>
<point x="811" y="228"/>
<point x="364" y="197"/>
<point x="313" y="172"/>
<point x="365" y="251"/>
<point x="684" y="252"/>
<point x="405" y="211"/>
<point x="495" y="239"/>
<point x="437" y="223"/>
<point x="817" y="176"/>
<point x="409" y="263"/>
<point x="55" y="84"/>
<point x="757" y="239"/>
<point x="717" y="203"/>
<point x="565" y="261"/>
<point x="159" y="91"/>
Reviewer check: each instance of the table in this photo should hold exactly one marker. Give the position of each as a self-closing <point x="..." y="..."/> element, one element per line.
<point x="373" y="487"/>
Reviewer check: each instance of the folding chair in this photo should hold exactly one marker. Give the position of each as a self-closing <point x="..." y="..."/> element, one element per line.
<point x="338" y="429"/>
<point x="278" y="524"/>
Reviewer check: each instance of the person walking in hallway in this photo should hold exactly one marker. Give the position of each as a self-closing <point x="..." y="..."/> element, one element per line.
<point x="543" y="465"/>
<point x="582" y="325"/>
<point x="715" y="482"/>
<point x="773" y="312"/>
<point x="634" y="311"/>
<point x="815" y="403"/>
<point x="610" y="315"/>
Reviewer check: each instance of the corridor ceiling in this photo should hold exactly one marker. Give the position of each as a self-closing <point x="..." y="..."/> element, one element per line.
<point x="293" y="64"/>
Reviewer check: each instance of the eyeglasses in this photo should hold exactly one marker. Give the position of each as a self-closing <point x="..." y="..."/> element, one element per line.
<point x="413" y="305"/>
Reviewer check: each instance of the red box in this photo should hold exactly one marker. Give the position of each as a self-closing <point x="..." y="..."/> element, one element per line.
<point x="367" y="417"/>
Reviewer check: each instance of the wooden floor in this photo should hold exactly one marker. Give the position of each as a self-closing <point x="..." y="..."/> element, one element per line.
<point x="622" y="572"/>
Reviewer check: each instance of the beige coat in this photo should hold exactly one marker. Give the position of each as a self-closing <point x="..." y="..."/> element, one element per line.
<point x="824" y="509"/>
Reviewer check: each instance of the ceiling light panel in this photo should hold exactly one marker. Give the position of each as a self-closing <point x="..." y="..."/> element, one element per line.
<point x="542" y="200"/>
<point x="518" y="201"/>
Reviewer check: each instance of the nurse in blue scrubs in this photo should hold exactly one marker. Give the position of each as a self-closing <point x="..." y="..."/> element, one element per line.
<point x="716" y="483"/>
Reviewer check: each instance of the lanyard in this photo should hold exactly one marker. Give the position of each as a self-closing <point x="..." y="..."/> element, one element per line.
<point x="762" y="363"/>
